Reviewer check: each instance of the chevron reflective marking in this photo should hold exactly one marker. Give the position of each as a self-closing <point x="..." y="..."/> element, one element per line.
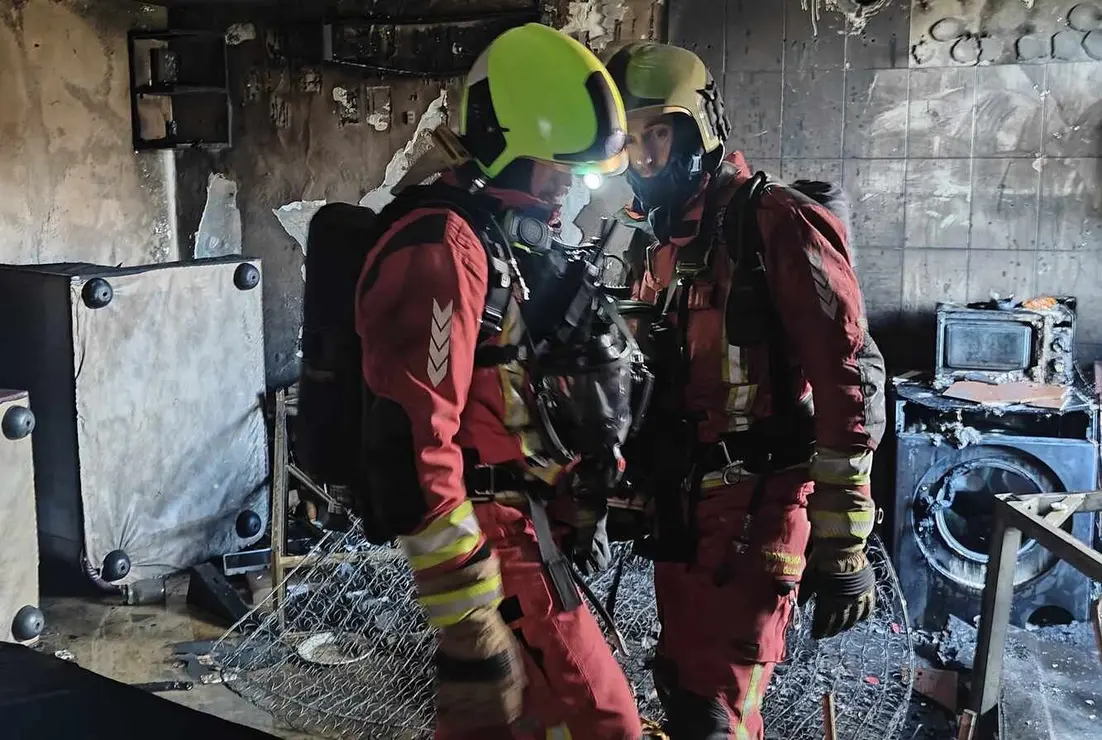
<point x="440" y="341"/>
<point x="828" y="299"/>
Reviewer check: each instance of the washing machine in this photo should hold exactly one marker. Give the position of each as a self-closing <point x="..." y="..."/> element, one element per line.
<point x="952" y="457"/>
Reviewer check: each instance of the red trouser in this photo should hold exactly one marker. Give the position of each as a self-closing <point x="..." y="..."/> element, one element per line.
<point x="719" y="643"/>
<point x="576" y="689"/>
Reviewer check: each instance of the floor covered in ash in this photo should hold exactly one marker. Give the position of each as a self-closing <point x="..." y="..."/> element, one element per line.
<point x="1053" y="684"/>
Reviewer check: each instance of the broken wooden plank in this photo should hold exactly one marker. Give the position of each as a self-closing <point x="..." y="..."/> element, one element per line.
<point x="1096" y="620"/>
<point x="967" y="725"/>
<point x="937" y="685"/>
<point x="829" y="723"/>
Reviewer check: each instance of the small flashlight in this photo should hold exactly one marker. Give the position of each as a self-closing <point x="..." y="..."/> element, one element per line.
<point x="592" y="180"/>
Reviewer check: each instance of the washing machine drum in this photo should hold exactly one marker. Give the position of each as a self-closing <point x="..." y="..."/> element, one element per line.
<point x="954" y="513"/>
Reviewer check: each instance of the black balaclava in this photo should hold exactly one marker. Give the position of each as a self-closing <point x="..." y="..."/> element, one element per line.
<point x="664" y="197"/>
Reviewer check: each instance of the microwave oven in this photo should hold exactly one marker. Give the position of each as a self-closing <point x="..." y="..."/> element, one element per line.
<point x="994" y="343"/>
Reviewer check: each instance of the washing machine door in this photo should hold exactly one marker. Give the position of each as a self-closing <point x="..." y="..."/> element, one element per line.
<point x="953" y="512"/>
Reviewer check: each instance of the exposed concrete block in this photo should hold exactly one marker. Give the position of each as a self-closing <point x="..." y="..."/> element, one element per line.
<point x="826" y="170"/>
<point x="999" y="271"/>
<point x="702" y="33"/>
<point x="812" y="45"/>
<point x="875" y="188"/>
<point x="938" y="210"/>
<point x="1004" y="203"/>
<point x="884" y="41"/>
<point x="754" y="106"/>
<point x="812" y="117"/>
<point x="1073" y="111"/>
<point x="755" y="36"/>
<point x="876" y="113"/>
<point x="1071" y="204"/>
<point x="932" y="275"/>
<point x="769" y="165"/>
<point x="881" y="274"/>
<point x="940" y="113"/>
<point x="1009" y="107"/>
<point x="1078" y="274"/>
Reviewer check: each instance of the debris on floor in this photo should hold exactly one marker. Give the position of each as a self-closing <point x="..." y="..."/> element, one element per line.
<point x="1052" y="688"/>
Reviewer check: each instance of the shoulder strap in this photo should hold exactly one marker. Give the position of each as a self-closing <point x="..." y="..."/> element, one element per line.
<point x="752" y="316"/>
<point x="697" y="257"/>
<point x="477" y="212"/>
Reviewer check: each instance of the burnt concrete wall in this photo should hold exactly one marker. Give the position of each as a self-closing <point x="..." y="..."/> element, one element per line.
<point x="71" y="186"/>
<point x="968" y="134"/>
<point x="294" y="141"/>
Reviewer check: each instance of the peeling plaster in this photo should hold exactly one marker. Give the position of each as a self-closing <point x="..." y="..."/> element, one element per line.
<point x="72" y="188"/>
<point x="857" y="16"/>
<point x="239" y="33"/>
<point x="595" y="20"/>
<point x="219" y="233"/>
<point x="295" y="220"/>
<point x="348" y="105"/>
<point x="435" y="115"/>
<point x="577" y="198"/>
<point x="378" y="107"/>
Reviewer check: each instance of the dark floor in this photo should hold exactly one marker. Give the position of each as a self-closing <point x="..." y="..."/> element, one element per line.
<point x="134" y="644"/>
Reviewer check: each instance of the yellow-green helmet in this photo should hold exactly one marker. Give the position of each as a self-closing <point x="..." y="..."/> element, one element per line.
<point x="669" y="79"/>
<point x="537" y="93"/>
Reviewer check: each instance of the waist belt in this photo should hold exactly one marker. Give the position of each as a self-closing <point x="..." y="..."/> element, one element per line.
<point x="503" y="484"/>
<point x="752" y="454"/>
<point x="509" y="486"/>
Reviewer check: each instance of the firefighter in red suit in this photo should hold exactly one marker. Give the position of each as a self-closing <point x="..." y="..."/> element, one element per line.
<point x="452" y="440"/>
<point x="776" y="414"/>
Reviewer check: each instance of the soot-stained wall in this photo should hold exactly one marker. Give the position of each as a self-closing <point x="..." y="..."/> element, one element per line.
<point x="71" y="186"/>
<point x="967" y="133"/>
<point x="299" y="138"/>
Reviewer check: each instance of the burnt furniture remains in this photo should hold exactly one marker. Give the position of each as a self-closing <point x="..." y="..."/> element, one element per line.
<point x="150" y="453"/>
<point x="952" y="458"/>
<point x="20" y="618"/>
<point x="1039" y="517"/>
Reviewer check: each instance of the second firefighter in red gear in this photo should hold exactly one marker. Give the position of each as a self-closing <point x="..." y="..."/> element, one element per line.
<point x="756" y="490"/>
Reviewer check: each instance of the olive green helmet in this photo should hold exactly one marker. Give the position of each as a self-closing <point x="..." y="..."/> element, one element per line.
<point x="537" y="93"/>
<point x="668" y="79"/>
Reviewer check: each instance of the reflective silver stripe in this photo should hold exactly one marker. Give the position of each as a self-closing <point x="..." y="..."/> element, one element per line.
<point x="740" y="398"/>
<point x="443" y="610"/>
<point x="738" y="423"/>
<point x="735" y="371"/>
<point x="830" y="466"/>
<point x="447" y="537"/>
<point x="839" y="525"/>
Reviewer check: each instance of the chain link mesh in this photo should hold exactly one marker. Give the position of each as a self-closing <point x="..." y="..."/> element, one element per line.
<point x="348" y="654"/>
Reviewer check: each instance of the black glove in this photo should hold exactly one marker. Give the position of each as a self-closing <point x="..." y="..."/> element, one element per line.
<point x="586" y="543"/>
<point x="844" y="586"/>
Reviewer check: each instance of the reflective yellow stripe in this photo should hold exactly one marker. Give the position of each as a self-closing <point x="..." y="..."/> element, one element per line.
<point x="783" y="563"/>
<point x="842" y="524"/>
<point x="841" y="470"/>
<point x="444" y="610"/>
<point x="740" y="398"/>
<point x="445" y="538"/>
<point x="750" y="703"/>
<point x="559" y="732"/>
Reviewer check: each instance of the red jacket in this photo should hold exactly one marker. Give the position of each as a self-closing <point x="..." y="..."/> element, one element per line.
<point x="419" y="326"/>
<point x="813" y="285"/>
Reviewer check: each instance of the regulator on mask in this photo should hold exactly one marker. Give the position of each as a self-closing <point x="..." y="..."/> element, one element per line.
<point x="591" y="390"/>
